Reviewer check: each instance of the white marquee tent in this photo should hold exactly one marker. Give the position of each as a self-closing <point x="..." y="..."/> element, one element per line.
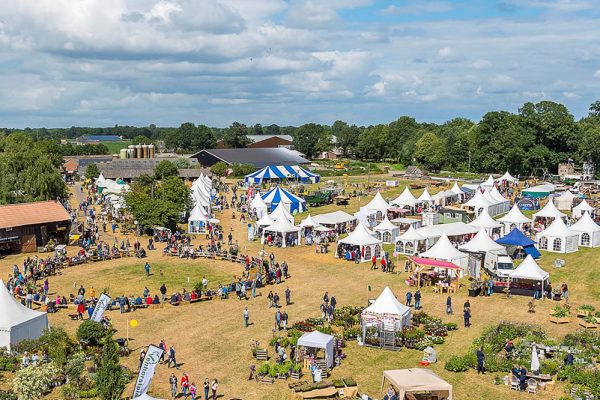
<point x="18" y="322"/>
<point x="377" y="206"/>
<point x="558" y="238"/>
<point x="335" y="219"/>
<point x="318" y="340"/>
<point x="581" y="208"/>
<point x="283" y="226"/>
<point x="445" y="251"/>
<point x="514" y="219"/>
<point x="363" y="238"/>
<point x="484" y="220"/>
<point x="588" y="230"/>
<point x="308" y="222"/>
<point x="198" y="220"/>
<point x="507" y="177"/>
<point x="408" y="242"/>
<point x="482" y="243"/>
<point x="386" y="231"/>
<point x="529" y="270"/>
<point x="281" y="210"/>
<point x="266" y="220"/>
<point x="405" y="199"/>
<point x="453" y="229"/>
<point x="417" y="380"/>
<point x="501" y="201"/>
<point x="259" y="206"/>
<point x="386" y="310"/>
<point x="549" y="211"/>
<point x="425" y="197"/>
<point x="478" y="202"/>
<point x="489" y="182"/>
<point x="565" y="200"/>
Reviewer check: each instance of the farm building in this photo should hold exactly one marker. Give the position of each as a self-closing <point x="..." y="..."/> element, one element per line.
<point x="257" y="157"/>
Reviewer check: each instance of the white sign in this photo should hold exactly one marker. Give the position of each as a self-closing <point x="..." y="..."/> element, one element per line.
<point x="101" y="306"/>
<point x="391" y="183"/>
<point x="147" y="371"/>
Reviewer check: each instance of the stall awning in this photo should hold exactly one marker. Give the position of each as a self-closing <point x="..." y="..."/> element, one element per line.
<point x="434" y="263"/>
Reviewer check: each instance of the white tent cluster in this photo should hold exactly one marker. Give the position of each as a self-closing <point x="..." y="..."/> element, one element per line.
<point x="374" y="212"/>
<point x="200" y="216"/>
<point x="588" y="231"/>
<point x="491" y="200"/>
<point x="365" y="240"/>
<point x="113" y="191"/>
<point x="445" y="251"/>
<point x="514" y="219"/>
<point x="558" y="238"/>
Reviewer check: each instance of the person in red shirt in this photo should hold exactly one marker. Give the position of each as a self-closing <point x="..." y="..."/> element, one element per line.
<point x="185" y="384"/>
<point x="373" y="262"/>
<point x="80" y="310"/>
<point x="149" y="300"/>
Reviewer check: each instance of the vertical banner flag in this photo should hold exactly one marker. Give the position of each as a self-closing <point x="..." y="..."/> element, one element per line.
<point x="147" y="371"/>
<point x="101" y="306"/>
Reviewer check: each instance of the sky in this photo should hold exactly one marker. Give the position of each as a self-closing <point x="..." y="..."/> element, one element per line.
<point x="139" y="62"/>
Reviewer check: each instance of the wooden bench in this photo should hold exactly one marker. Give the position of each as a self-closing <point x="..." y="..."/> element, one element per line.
<point x="62" y="306"/>
<point x="143" y="305"/>
<point x="196" y="300"/>
<point x="174" y="303"/>
<point x="261" y="354"/>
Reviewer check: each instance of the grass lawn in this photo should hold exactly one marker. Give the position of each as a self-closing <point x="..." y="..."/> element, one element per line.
<point x="115" y="147"/>
<point x="211" y="341"/>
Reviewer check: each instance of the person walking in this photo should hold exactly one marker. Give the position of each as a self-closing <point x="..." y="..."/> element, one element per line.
<point x="163" y="292"/>
<point x="278" y="319"/>
<point x="449" y="305"/>
<point x="192" y="390"/>
<point x="480" y="361"/>
<point x="214" y="386"/>
<point x="163" y="346"/>
<point x="246" y="317"/>
<point x="467" y="317"/>
<point x="147" y="268"/>
<point x="284" y="320"/>
<point x="173" y="385"/>
<point x="373" y="262"/>
<point x="172" y="358"/>
<point x="418" y="300"/>
<point x="288" y="296"/>
<point x="206" y="386"/>
<point x="253" y="288"/>
<point x="408" y="298"/>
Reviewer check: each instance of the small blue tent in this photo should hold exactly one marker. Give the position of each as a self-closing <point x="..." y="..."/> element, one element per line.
<point x="278" y="195"/>
<point x="518" y="239"/>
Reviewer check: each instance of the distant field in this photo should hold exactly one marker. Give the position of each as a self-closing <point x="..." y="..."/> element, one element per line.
<point x="114" y="147"/>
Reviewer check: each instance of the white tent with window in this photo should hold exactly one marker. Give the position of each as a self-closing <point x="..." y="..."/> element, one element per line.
<point x="485" y="221"/>
<point x="408" y="242"/>
<point x="565" y="200"/>
<point x="17" y="322"/>
<point x="386" y="313"/>
<point x="198" y="220"/>
<point x="386" y="231"/>
<point x="405" y="199"/>
<point x="318" y="340"/>
<point x="259" y="206"/>
<point x="283" y="227"/>
<point x="478" y="202"/>
<point x="514" y="219"/>
<point x="482" y="243"/>
<point x="377" y="206"/>
<point x="365" y="240"/>
<point x="266" y="220"/>
<point x="502" y="202"/>
<point x="425" y="197"/>
<point x="549" y="211"/>
<point x="588" y="230"/>
<point x="507" y="177"/>
<point x="581" y="208"/>
<point x="558" y="238"/>
<point x="445" y="251"/>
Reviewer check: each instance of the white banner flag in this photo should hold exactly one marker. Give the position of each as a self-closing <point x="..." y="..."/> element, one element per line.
<point x="147" y="371"/>
<point x="101" y="306"/>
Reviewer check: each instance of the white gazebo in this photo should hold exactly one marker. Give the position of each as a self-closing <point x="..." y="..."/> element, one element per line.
<point x="281" y="210"/>
<point x="502" y="202"/>
<point x="514" y="219"/>
<point x="485" y="221"/>
<point x="529" y="270"/>
<point x="405" y="199"/>
<point x="283" y="227"/>
<point x="408" y="242"/>
<point x="564" y="201"/>
<point x="445" y="251"/>
<point x="507" y="177"/>
<point x="366" y="242"/>
<point x="259" y="206"/>
<point x="482" y="243"/>
<point x="417" y="380"/>
<point x="549" y="211"/>
<point x="377" y="206"/>
<point x="588" y="230"/>
<point x="385" y="314"/>
<point x="558" y="238"/>
<point x="337" y="220"/>
<point x="198" y="220"/>
<point x="478" y="202"/>
<point x="425" y="197"/>
<point x="386" y="231"/>
<point x="17" y="322"/>
<point x="457" y="190"/>
<point x="489" y="182"/>
<point x="581" y="208"/>
<point x="318" y="340"/>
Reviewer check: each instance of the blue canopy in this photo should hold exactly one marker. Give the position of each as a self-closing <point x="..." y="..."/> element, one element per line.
<point x="294" y="172"/>
<point x="278" y="195"/>
<point x="518" y="238"/>
<point x="267" y="173"/>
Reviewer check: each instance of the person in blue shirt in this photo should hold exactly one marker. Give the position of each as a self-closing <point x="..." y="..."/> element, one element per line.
<point x="147" y="268"/>
<point x="408" y="298"/>
<point x="90" y="310"/>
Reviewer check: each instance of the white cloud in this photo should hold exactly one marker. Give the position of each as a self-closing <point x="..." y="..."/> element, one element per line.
<point x="448" y="54"/>
<point x="418" y="7"/>
<point x="597" y="73"/>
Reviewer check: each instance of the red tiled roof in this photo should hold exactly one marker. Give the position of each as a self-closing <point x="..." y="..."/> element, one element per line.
<point x="71" y="165"/>
<point x="41" y="212"/>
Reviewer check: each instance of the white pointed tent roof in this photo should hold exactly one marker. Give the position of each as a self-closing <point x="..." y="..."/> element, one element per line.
<point x="360" y="236"/>
<point x="496" y="195"/>
<point x="282" y="225"/>
<point x="488" y="196"/>
<point x="585" y="224"/>
<point x="385" y="225"/>
<point x="489" y="182"/>
<point x="266" y="220"/>
<point x="410" y="235"/>
<point x="507" y="177"/>
<point x="484" y="220"/>
<point x="515" y="216"/>
<point x="198" y="214"/>
<point x="530" y="270"/>
<point x="478" y="200"/>
<point x="258" y="203"/>
<point x="557" y="229"/>
<point x="425" y="196"/>
<point x="100" y="180"/>
<point x="482" y="243"/>
<point x="583" y="206"/>
<point x="279" y="210"/>
<point x="308" y="222"/>
<point x="378" y="203"/>
<point x="549" y="211"/>
<point x="13" y="313"/>
<point x="145" y="396"/>
<point x="387" y="304"/>
<point x="455" y="189"/>
<point x="406" y="198"/>
<point x="443" y="250"/>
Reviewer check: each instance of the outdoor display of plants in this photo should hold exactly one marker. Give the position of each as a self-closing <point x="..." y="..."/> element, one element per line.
<point x="274" y="370"/>
<point x="560" y="312"/>
<point x="347" y="316"/>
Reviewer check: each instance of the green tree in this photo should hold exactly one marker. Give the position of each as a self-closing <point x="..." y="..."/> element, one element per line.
<point x="400" y="140"/>
<point x="164" y="169"/>
<point x="346" y="136"/>
<point x="219" y="169"/>
<point x="307" y="137"/>
<point x="141" y="139"/>
<point x="190" y="138"/>
<point x="91" y="333"/>
<point x="110" y="379"/>
<point x="430" y="151"/>
<point x="92" y="171"/>
<point x="241" y="170"/>
<point x="236" y="136"/>
<point x="594" y="109"/>
<point x="371" y="144"/>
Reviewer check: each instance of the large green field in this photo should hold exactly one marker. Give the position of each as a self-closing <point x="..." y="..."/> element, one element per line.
<point x="114" y="147"/>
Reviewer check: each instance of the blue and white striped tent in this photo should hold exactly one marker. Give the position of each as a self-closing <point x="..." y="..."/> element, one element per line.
<point x="304" y="175"/>
<point x="292" y="172"/>
<point x="278" y="195"/>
